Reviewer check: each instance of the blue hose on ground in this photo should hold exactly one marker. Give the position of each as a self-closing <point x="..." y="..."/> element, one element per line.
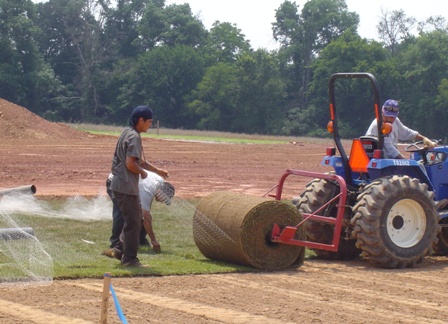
<point x="117" y="306"/>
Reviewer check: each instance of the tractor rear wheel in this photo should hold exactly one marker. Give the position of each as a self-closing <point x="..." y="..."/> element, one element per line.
<point x="441" y="247"/>
<point x="316" y="194"/>
<point x="396" y="221"/>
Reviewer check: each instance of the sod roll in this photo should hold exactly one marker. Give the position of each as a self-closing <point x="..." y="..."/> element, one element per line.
<point x="236" y="228"/>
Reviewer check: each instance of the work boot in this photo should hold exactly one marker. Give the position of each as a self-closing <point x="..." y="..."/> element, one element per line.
<point x="113" y="253"/>
<point x="133" y="264"/>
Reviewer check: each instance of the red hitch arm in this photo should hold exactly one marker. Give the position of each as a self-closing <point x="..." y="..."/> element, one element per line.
<point x="286" y="235"/>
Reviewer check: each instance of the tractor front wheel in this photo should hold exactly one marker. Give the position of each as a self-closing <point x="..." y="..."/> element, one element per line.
<point x="396" y="222"/>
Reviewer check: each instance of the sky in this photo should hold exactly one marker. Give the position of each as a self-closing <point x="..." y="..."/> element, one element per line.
<point x="254" y="17"/>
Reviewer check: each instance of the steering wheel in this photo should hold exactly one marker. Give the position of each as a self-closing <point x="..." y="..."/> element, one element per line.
<point x="419" y="148"/>
<point x="416" y="147"/>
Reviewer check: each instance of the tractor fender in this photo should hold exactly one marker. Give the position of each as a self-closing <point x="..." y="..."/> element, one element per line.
<point x="336" y="163"/>
<point x="379" y="168"/>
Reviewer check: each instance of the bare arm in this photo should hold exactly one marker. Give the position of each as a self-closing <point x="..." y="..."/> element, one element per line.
<point x="147" y="224"/>
<point x="133" y="166"/>
<point x="151" y="167"/>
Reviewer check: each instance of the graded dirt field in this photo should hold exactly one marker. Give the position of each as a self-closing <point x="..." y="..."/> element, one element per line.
<point x="63" y="162"/>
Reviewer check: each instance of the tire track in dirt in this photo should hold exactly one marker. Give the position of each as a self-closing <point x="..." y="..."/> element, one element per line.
<point x="318" y="292"/>
<point x="412" y="278"/>
<point x="377" y="295"/>
<point x="27" y="314"/>
<point x="215" y="313"/>
<point x="379" y="313"/>
<point x="321" y="289"/>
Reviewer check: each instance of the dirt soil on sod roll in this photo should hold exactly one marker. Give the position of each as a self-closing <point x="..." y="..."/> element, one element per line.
<point x="63" y="162"/>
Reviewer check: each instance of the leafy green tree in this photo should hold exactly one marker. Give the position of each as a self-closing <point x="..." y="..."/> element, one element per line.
<point x="54" y="42"/>
<point x="121" y="19"/>
<point x="78" y="52"/>
<point x="172" y="25"/>
<point x="303" y="122"/>
<point x="287" y="31"/>
<point x="161" y="78"/>
<point x="424" y="66"/>
<point x="261" y="96"/>
<point x="303" y="36"/>
<point x="394" y="28"/>
<point x="17" y="56"/>
<point x="439" y="113"/>
<point x="23" y="71"/>
<point x="226" y="42"/>
<point x="246" y="96"/>
<point x="433" y="23"/>
<point x="214" y="101"/>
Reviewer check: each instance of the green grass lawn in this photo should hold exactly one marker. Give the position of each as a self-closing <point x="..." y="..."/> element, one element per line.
<point x="196" y="135"/>
<point x="74" y="243"/>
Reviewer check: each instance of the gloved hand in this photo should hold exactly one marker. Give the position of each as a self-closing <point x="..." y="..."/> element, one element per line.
<point x="428" y="143"/>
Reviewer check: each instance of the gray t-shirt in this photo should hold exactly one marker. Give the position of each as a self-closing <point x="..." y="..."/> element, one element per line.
<point x="399" y="133"/>
<point x="129" y="145"/>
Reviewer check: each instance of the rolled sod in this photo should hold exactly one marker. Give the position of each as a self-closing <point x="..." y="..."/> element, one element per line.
<point x="236" y="228"/>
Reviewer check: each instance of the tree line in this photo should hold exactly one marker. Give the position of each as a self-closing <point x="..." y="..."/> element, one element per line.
<point x="92" y="61"/>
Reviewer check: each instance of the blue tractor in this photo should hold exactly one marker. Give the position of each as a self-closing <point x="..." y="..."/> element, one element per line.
<point x="392" y="212"/>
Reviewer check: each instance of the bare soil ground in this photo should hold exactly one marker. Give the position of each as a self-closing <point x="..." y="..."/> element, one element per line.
<point x="63" y="162"/>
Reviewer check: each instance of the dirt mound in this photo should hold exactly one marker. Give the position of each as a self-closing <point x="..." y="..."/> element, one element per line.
<point x="17" y="122"/>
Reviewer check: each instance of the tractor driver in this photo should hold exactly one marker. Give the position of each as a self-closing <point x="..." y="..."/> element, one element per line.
<point x="399" y="132"/>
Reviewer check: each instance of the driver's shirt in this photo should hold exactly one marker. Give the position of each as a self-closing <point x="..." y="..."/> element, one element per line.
<point x="399" y="132"/>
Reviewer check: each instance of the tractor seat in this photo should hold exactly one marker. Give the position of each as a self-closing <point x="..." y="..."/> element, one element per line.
<point x="370" y="144"/>
<point x="362" y="152"/>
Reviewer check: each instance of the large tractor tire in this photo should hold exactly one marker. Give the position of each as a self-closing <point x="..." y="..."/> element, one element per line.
<point x="317" y="193"/>
<point x="441" y="247"/>
<point x="396" y="222"/>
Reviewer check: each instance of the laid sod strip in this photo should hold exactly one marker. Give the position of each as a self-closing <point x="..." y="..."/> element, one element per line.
<point x="69" y="235"/>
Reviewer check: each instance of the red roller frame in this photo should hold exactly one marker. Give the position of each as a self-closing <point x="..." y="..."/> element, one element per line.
<point x="286" y="235"/>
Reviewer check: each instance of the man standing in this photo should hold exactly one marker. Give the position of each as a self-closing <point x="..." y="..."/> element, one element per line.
<point x="153" y="186"/>
<point x="126" y="168"/>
